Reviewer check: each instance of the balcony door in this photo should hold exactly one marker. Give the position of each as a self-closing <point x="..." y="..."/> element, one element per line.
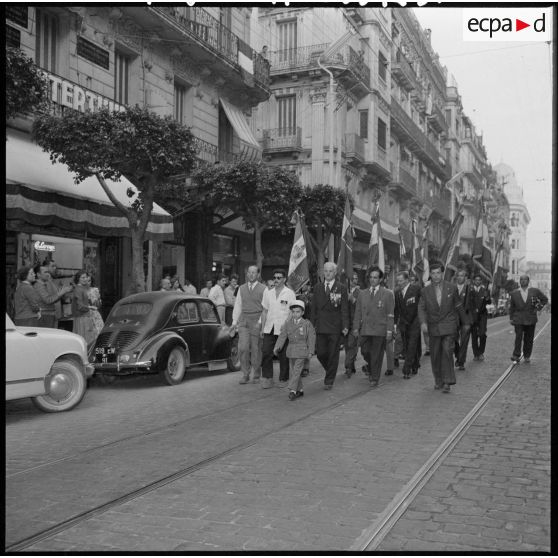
<point x="46" y="41"/>
<point x="286" y="115"/>
<point x="287" y="41"/>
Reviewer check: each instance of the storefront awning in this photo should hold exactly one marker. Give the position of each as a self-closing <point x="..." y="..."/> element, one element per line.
<point x="251" y="149"/>
<point x="363" y="221"/>
<point x="44" y="195"/>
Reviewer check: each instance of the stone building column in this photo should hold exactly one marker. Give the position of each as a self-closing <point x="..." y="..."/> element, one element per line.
<point x="318" y="99"/>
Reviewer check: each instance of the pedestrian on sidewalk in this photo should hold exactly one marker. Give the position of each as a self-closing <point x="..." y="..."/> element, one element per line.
<point x="465" y="322"/>
<point x="439" y="311"/>
<point x="50" y="296"/>
<point x="525" y="302"/>
<point x="300" y="335"/>
<point x="407" y="322"/>
<point x="373" y="321"/>
<point x="391" y="360"/>
<point x="230" y="297"/>
<point x="208" y="286"/>
<point x="276" y="303"/>
<point x="480" y="298"/>
<point x="188" y="288"/>
<point x="330" y="318"/>
<point x="26" y="299"/>
<point x="217" y="295"/>
<point x="246" y="319"/>
<point x="351" y="342"/>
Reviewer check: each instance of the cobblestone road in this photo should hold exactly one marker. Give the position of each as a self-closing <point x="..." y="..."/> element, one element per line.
<point x="327" y="468"/>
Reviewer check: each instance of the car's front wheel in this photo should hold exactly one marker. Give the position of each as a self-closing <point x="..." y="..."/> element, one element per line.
<point x="65" y="388"/>
<point x="174" y="368"/>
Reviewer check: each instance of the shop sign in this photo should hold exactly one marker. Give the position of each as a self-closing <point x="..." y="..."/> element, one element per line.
<point x="71" y="95"/>
<point x="42" y="246"/>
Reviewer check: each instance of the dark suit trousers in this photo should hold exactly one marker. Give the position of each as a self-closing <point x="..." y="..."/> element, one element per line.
<point x="268" y="344"/>
<point x="351" y="349"/>
<point x="410" y="334"/>
<point x="373" y="348"/>
<point x="327" y="351"/>
<point x="462" y="344"/>
<point x="524" y="333"/>
<point x="441" y="357"/>
<point x="478" y="335"/>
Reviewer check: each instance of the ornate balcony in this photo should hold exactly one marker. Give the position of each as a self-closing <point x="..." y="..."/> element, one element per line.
<point x="437" y="119"/>
<point x="403" y="72"/>
<point x="403" y="180"/>
<point x="354" y="149"/>
<point x="209" y="154"/>
<point x="282" y="140"/>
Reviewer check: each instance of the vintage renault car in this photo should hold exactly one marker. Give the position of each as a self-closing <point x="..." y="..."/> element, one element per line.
<point x="48" y="365"/>
<point x="163" y="333"/>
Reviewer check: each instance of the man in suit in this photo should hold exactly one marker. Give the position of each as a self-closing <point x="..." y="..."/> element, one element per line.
<point x="480" y="298"/>
<point x="351" y="342"/>
<point x="464" y="326"/>
<point x="407" y="322"/>
<point x="373" y="320"/>
<point x="330" y="318"/>
<point x="525" y="302"/>
<point x="439" y="310"/>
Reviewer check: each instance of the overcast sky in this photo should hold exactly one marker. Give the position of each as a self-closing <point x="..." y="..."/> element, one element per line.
<point x="506" y="89"/>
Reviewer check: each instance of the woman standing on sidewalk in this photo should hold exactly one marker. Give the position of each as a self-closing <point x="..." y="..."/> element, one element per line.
<point x="26" y="299"/>
<point x="81" y="308"/>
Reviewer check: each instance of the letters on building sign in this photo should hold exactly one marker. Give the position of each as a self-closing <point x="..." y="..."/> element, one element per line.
<point x="71" y="95"/>
<point x="40" y="245"/>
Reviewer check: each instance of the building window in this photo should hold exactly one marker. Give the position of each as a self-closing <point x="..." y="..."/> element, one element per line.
<point x="382" y="133"/>
<point x="513" y="267"/>
<point x="286" y="33"/>
<point x="382" y="66"/>
<point x="179" y="102"/>
<point x="121" y="77"/>
<point x="225" y="137"/>
<point x="286" y="115"/>
<point x="46" y="41"/>
<point x="363" y="116"/>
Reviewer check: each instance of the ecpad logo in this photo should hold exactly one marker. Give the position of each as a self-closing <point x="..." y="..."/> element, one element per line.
<point x="507" y="24"/>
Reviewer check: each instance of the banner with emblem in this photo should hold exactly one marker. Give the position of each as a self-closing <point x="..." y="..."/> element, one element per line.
<point x="345" y="259"/>
<point x="298" y="274"/>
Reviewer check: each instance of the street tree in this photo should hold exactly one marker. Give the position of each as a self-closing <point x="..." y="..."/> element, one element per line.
<point x="26" y="86"/>
<point x="152" y="152"/>
<point x="265" y="197"/>
<point x="323" y="206"/>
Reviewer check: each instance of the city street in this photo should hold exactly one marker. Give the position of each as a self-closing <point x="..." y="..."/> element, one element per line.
<point x="214" y="465"/>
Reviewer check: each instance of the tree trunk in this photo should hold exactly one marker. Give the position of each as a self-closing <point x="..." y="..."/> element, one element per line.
<point x="138" y="279"/>
<point x="258" y="246"/>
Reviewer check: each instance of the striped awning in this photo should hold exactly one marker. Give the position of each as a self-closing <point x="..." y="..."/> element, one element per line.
<point x="42" y="194"/>
<point x="363" y="221"/>
<point x="250" y="147"/>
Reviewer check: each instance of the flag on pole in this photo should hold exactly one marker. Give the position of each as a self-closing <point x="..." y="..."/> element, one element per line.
<point x="450" y="250"/>
<point x="415" y="249"/>
<point x="345" y="259"/>
<point x="376" y="247"/>
<point x="482" y="254"/>
<point x="420" y="264"/>
<point x="402" y="248"/>
<point x="298" y="274"/>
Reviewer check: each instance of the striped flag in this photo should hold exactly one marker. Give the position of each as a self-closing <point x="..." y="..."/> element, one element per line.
<point x="376" y="247"/>
<point x="482" y="254"/>
<point x="402" y="249"/>
<point x="345" y="259"/>
<point x="449" y="253"/>
<point x="415" y="250"/>
<point x="420" y="263"/>
<point x="298" y="274"/>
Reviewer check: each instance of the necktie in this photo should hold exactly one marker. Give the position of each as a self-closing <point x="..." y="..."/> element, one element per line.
<point x="438" y="294"/>
<point x="327" y="290"/>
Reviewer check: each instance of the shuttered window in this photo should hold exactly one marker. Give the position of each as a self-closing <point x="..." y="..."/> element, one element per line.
<point x="363" y="123"/>
<point x="286" y="33"/>
<point x="382" y="130"/>
<point x="46" y="41"/>
<point x="382" y="66"/>
<point x="286" y="115"/>
<point x="179" y="102"/>
<point x="121" y="77"/>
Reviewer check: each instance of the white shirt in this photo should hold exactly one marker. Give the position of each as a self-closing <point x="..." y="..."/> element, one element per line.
<point x="217" y="295"/>
<point x="524" y="293"/>
<point x="374" y="290"/>
<point x="460" y="287"/>
<point x="277" y="306"/>
<point x="404" y="289"/>
<point x="329" y="284"/>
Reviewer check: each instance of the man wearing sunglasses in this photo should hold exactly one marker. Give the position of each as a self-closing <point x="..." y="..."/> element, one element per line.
<point x="276" y="303"/>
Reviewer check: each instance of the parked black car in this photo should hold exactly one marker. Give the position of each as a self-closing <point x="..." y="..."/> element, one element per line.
<point x="165" y="333"/>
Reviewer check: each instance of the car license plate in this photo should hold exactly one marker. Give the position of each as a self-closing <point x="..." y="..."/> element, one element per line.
<point x="105" y="355"/>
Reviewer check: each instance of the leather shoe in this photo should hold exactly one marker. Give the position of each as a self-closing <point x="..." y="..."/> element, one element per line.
<point x="244" y="380"/>
<point x="396" y="363"/>
<point x="481" y="357"/>
<point x="305" y="372"/>
<point x="388" y="372"/>
<point x="527" y="360"/>
<point x="515" y="359"/>
<point x="292" y="395"/>
<point x="373" y="383"/>
<point x="406" y="376"/>
<point x="328" y="386"/>
<point x="437" y="386"/>
<point x="365" y="369"/>
<point x="446" y="388"/>
<point x="461" y="367"/>
<point x="300" y="394"/>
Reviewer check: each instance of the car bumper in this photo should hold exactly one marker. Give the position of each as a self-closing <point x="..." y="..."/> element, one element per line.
<point x="122" y="367"/>
<point x="89" y="370"/>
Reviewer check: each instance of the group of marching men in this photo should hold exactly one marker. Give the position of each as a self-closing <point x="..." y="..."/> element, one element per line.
<point x="274" y="322"/>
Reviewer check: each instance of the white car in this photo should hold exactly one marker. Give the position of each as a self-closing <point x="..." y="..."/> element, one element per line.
<point x="49" y="365"/>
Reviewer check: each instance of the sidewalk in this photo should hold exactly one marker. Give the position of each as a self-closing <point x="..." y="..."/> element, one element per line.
<point x="318" y="484"/>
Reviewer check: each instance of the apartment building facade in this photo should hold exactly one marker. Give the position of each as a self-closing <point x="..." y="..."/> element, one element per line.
<point x="195" y="64"/>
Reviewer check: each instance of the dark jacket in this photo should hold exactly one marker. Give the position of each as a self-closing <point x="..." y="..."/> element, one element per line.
<point x="330" y="314"/>
<point x="443" y="319"/>
<point x="301" y="336"/>
<point x="406" y="308"/>
<point x="479" y="301"/>
<point x="374" y="314"/>
<point x="468" y="316"/>
<point x="525" y="313"/>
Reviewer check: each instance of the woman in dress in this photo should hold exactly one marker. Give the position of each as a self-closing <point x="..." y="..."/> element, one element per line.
<point x="176" y="286"/>
<point x="95" y="303"/>
<point x="81" y="308"/>
<point x="26" y="299"/>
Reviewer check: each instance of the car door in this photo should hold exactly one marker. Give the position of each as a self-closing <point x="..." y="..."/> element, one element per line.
<point x="212" y="332"/>
<point x="26" y="364"/>
<point x="186" y="323"/>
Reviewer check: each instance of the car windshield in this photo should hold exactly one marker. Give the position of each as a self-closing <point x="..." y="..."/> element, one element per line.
<point x="132" y="310"/>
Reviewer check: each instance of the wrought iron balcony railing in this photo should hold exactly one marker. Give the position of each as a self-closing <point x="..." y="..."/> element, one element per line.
<point x="207" y="153"/>
<point x="282" y="139"/>
<point x="403" y="71"/>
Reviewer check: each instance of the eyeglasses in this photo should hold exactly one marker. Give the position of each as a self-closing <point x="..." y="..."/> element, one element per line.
<point x="278" y="277"/>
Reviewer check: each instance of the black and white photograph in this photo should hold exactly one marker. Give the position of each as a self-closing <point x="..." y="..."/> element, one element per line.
<point x="278" y="277"/>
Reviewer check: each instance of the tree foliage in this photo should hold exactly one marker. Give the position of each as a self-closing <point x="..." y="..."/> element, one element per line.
<point x="26" y="86"/>
<point x="154" y="153"/>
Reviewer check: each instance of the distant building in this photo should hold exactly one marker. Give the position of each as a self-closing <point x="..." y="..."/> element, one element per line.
<point x="540" y="276"/>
